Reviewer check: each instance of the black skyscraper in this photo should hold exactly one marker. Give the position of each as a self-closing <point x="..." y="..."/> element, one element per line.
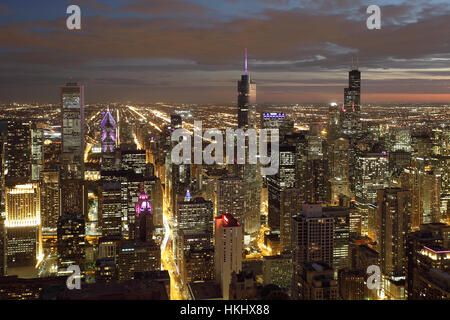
<point x="246" y="96"/>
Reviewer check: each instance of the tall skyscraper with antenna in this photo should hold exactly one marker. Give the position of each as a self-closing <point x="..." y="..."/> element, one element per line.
<point x="246" y="96"/>
<point x="248" y="172"/>
<point x="352" y="94"/>
<point x="350" y="126"/>
<point x="350" y="118"/>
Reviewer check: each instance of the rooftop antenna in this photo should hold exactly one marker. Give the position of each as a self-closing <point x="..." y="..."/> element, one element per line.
<point x="357" y="62"/>
<point x="353" y="62"/>
<point x="245" y="61"/>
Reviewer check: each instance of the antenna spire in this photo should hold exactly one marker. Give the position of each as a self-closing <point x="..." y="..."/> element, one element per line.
<point x="246" y="61"/>
<point x="357" y="62"/>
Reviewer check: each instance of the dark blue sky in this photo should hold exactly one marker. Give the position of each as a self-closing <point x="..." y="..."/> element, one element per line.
<point x="192" y="50"/>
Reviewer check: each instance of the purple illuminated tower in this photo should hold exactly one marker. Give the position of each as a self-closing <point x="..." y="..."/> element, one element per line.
<point x="144" y="219"/>
<point x="108" y="126"/>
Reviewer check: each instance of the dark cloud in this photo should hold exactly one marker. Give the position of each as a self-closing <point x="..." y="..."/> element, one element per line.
<point x="280" y="41"/>
<point x="94" y="4"/>
<point x="164" y="7"/>
<point x="4" y="9"/>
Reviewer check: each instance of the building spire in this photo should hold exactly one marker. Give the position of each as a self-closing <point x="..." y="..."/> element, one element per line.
<point x="188" y="196"/>
<point x="246" y="65"/>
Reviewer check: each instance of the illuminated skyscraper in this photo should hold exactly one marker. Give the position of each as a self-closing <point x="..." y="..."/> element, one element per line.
<point x="108" y="132"/>
<point x="248" y="172"/>
<point x="72" y="155"/>
<point x="231" y="196"/>
<point x="338" y="157"/>
<point x="23" y="223"/>
<point x="290" y="206"/>
<point x="228" y="250"/>
<point x="341" y="237"/>
<point x="313" y="234"/>
<point x="137" y="256"/>
<point x="73" y="130"/>
<point x="371" y="175"/>
<point x="108" y="139"/>
<point x="71" y="240"/>
<point x="277" y="120"/>
<point x="394" y="222"/>
<point x="353" y="92"/>
<point x="278" y="270"/>
<point x="350" y="125"/>
<point x="194" y="249"/>
<point x="312" y="241"/>
<point x="134" y="160"/>
<point x="428" y="275"/>
<point x="425" y="189"/>
<point x="144" y="219"/>
<point x="316" y="170"/>
<point x="110" y="208"/>
<point x="50" y="198"/>
<point x="18" y="153"/>
<point x="37" y="151"/>
<point x="349" y="120"/>
<point x="246" y="97"/>
<point x="3" y="246"/>
<point x="284" y="179"/>
<point x="142" y="253"/>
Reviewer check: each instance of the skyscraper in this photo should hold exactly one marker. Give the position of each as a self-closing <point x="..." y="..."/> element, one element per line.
<point x="134" y="160"/>
<point x="37" y="151"/>
<point x="278" y="270"/>
<point x="394" y="222"/>
<point x="71" y="240"/>
<point x="108" y="132"/>
<point x="312" y="241"/>
<point x="23" y="223"/>
<point x="18" y="153"/>
<point x="276" y="184"/>
<point x="50" y="201"/>
<point x="3" y="246"/>
<point x="142" y="253"/>
<point x="108" y="139"/>
<point x="110" y="208"/>
<point x="425" y="189"/>
<point x="228" y="250"/>
<point x="350" y="125"/>
<point x="290" y="206"/>
<point x="312" y="235"/>
<point x="338" y="157"/>
<point x="73" y="130"/>
<point x="428" y="276"/>
<point x="72" y="155"/>
<point x="341" y="237"/>
<point x="194" y="249"/>
<point x="246" y="96"/>
<point x="230" y="197"/>
<point x="144" y="219"/>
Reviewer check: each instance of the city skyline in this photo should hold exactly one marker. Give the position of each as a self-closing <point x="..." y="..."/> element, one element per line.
<point x="122" y="180"/>
<point x="191" y="51"/>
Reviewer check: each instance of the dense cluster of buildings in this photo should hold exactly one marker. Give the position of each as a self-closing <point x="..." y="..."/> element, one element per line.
<point x="348" y="195"/>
